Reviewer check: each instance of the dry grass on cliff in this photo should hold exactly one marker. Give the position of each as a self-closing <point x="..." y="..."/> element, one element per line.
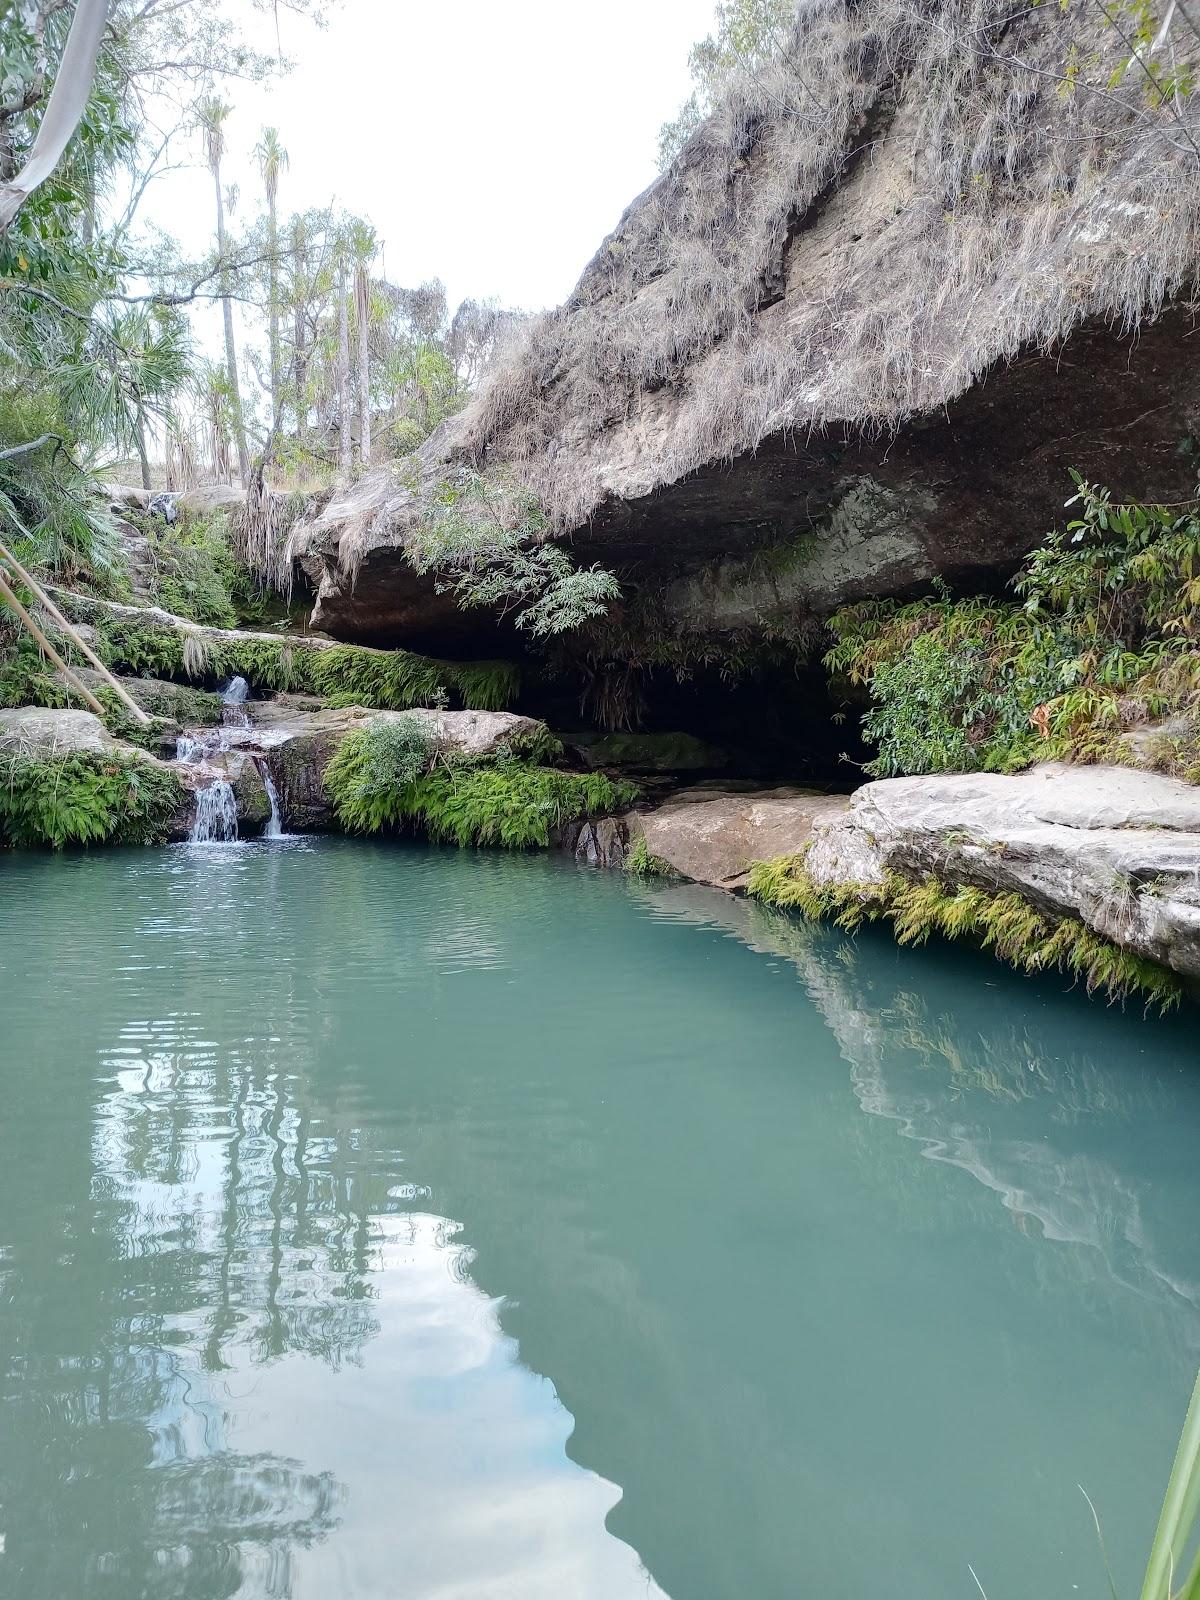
<point x="937" y="199"/>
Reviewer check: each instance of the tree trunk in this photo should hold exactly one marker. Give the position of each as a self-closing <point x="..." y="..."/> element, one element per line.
<point x="362" y="307"/>
<point x="139" y="434"/>
<point x="231" y="370"/>
<point x="346" y="448"/>
<point x="273" y="309"/>
<point x="299" y="340"/>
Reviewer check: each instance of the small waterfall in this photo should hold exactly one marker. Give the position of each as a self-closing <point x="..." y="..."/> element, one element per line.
<point x="216" y="814"/>
<point x="233" y="698"/>
<point x="274" y="828"/>
<point x="216" y="805"/>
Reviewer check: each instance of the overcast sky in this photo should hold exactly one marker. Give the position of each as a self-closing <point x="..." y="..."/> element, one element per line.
<point x="492" y="144"/>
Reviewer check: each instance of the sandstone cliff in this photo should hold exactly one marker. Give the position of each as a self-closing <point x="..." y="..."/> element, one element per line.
<point x="854" y="337"/>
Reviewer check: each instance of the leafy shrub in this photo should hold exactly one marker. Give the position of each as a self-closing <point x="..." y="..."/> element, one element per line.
<point x="373" y="769"/>
<point x="1105" y="640"/>
<point x="85" y="798"/>
<point x="1007" y="924"/>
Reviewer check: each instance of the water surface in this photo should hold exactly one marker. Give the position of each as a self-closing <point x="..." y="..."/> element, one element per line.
<point x="392" y="1222"/>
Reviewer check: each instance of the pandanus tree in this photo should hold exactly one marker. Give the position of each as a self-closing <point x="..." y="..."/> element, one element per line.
<point x="212" y="114"/>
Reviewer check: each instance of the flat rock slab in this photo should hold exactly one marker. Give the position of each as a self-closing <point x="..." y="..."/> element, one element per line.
<point x="714" y="837"/>
<point x="36" y="731"/>
<point x="1119" y="849"/>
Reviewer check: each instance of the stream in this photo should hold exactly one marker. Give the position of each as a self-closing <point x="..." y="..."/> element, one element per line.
<point x="386" y="1221"/>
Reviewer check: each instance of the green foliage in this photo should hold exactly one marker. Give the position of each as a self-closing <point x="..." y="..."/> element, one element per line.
<point x="386" y="775"/>
<point x="85" y="798"/>
<point x="1104" y="641"/>
<point x="489" y="543"/>
<point x="384" y="680"/>
<point x="1006" y="924"/>
<point x="748" y="33"/>
<point x="1179" y="1521"/>
<point x="197" y="574"/>
<point x="642" y="863"/>
<point x="45" y="493"/>
<point x="510" y="804"/>
<point x="374" y="769"/>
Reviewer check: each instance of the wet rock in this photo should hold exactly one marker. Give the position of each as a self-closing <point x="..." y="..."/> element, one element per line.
<point x="710" y="834"/>
<point x="1116" y="848"/>
<point x="600" y="843"/>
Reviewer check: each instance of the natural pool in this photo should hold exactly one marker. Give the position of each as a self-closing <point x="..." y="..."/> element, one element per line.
<point x="379" y="1221"/>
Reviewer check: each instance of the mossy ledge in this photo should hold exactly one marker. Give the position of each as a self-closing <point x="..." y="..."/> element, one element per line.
<point x="85" y="798"/>
<point x="1006" y="924"/>
<point x="153" y="643"/>
<point x="386" y="777"/>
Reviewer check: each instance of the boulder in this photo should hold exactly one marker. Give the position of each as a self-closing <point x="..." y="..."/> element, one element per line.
<point x="35" y="731"/>
<point x="1117" y="849"/>
<point x="712" y="835"/>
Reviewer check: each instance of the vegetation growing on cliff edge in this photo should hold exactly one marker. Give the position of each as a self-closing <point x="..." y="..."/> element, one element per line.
<point x="1006" y="924"/>
<point x="487" y="541"/>
<point x="1104" y="642"/>
<point x="387" y="775"/>
<point x="85" y="798"/>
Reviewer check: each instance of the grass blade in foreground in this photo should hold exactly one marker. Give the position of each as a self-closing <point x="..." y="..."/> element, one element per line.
<point x="1180" y="1511"/>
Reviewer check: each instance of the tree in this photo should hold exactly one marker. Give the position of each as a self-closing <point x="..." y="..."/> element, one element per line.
<point x="748" y="33"/>
<point x="272" y="159"/>
<point x="66" y="105"/>
<point x="362" y="248"/>
<point x="212" y="114"/>
<point x="345" y="437"/>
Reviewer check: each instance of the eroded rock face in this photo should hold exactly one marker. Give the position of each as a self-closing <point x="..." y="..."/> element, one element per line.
<point x="1118" y="849"/>
<point x="829" y="358"/>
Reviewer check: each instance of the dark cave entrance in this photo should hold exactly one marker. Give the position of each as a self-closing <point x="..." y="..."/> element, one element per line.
<point x="785" y="724"/>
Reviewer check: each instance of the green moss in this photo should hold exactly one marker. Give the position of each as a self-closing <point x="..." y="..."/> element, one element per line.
<point x="386" y="776"/>
<point x="643" y="863"/>
<point x="1007" y="924"/>
<point x="85" y="798"/>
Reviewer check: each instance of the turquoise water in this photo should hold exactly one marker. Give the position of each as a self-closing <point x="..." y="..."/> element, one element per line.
<point x="389" y="1222"/>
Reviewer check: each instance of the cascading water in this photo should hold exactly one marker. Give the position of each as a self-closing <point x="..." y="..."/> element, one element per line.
<point x="216" y="814"/>
<point x="216" y="804"/>
<point x="274" y="828"/>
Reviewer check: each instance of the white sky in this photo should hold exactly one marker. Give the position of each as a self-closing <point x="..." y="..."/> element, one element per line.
<point x="493" y="143"/>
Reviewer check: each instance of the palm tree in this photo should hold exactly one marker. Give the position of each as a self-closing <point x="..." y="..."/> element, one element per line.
<point x="272" y="159"/>
<point x="212" y="114"/>
<point x="362" y="248"/>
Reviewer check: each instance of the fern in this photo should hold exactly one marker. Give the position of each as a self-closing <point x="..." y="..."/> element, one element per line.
<point x="86" y="798"/>
<point x="1007" y="924"/>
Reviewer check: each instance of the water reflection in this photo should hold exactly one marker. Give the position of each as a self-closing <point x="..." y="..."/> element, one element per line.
<point x="408" y="1223"/>
<point x="961" y="1086"/>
